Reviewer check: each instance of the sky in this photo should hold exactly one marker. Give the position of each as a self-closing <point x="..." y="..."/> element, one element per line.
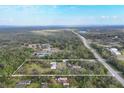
<point x="61" y="15"/>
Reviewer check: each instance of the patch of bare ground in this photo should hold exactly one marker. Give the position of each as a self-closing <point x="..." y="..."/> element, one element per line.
<point x="45" y="32"/>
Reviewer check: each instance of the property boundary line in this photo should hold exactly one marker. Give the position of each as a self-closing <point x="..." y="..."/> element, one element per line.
<point x="92" y="75"/>
<point x="90" y="60"/>
<point x="19" y="67"/>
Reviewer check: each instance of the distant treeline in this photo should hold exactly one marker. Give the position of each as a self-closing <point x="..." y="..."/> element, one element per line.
<point x="86" y="28"/>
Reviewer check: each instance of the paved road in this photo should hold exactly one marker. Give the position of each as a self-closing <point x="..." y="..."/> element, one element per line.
<point x="101" y="60"/>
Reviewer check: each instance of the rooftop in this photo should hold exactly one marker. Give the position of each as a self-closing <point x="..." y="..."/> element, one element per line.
<point x="115" y="51"/>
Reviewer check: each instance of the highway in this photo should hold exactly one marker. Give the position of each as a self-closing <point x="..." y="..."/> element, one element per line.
<point x="100" y="59"/>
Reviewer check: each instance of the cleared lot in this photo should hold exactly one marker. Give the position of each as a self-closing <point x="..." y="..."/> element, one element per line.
<point x="75" y="67"/>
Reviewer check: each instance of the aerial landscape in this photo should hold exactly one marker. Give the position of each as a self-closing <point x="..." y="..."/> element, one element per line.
<point x="44" y="47"/>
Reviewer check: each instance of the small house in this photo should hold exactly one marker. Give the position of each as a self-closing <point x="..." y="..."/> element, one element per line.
<point x="63" y="81"/>
<point x="76" y="67"/>
<point x="23" y="83"/>
<point x="64" y="60"/>
<point x="53" y="65"/>
<point x="44" y="85"/>
<point x="115" y="51"/>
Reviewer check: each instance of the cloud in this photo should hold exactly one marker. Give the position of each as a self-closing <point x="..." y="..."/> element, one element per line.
<point x="109" y="17"/>
<point x="102" y="16"/>
<point x="105" y="17"/>
<point x="114" y="17"/>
